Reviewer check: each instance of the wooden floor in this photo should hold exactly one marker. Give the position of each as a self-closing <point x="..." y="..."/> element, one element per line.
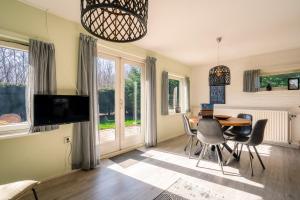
<point x="144" y="174"/>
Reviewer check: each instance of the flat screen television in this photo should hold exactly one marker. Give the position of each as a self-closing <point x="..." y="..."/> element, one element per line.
<point x="60" y="109"/>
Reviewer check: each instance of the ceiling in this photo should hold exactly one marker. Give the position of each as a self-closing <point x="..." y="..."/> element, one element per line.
<point x="187" y="30"/>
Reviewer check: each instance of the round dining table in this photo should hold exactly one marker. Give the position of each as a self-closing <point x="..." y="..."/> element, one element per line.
<point x="226" y="123"/>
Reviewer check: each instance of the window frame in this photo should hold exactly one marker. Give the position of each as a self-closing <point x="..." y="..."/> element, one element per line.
<point x="279" y="88"/>
<point x="181" y="94"/>
<point x="22" y="128"/>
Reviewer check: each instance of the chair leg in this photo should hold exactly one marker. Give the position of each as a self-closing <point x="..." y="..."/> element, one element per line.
<point x="187" y="143"/>
<point x="201" y="154"/>
<point x="250" y="159"/>
<point x="231" y="154"/>
<point x="220" y="158"/>
<point x="239" y="154"/>
<point x="191" y="146"/>
<point x="237" y="149"/>
<point x="259" y="158"/>
<point x="35" y="194"/>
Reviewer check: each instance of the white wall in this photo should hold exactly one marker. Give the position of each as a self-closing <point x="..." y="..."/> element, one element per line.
<point x="268" y="63"/>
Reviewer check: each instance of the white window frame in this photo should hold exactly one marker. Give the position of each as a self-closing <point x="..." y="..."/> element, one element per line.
<point x="182" y="95"/>
<point x="11" y="130"/>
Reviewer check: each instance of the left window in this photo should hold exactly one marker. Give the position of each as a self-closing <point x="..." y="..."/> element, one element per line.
<point x="14" y="69"/>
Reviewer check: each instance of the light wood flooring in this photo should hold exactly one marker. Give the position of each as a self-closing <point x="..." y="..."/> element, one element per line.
<point x="145" y="173"/>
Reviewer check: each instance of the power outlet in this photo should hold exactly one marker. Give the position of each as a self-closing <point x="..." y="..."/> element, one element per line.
<point x="67" y="140"/>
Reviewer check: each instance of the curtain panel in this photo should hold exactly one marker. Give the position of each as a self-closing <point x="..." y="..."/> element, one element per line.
<point x="42" y="76"/>
<point x="188" y="94"/>
<point x="85" y="151"/>
<point x="251" y="81"/>
<point x="165" y="93"/>
<point x="151" y="122"/>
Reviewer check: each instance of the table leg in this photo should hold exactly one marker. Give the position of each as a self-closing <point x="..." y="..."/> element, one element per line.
<point x="230" y="150"/>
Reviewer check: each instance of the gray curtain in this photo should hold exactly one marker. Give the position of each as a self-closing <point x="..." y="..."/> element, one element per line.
<point x="85" y="151"/>
<point x="165" y="93"/>
<point x="188" y="95"/>
<point x="151" y="124"/>
<point x="251" y="81"/>
<point x="43" y="74"/>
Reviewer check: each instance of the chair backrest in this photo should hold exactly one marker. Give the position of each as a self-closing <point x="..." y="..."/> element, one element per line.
<point x="257" y="135"/>
<point x="243" y="130"/>
<point x="210" y="131"/>
<point x="186" y="124"/>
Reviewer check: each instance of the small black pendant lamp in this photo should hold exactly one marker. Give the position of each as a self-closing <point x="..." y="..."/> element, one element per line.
<point x="220" y="74"/>
<point x="115" y="20"/>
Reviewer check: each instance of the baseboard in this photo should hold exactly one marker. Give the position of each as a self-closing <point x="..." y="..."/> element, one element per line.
<point x="109" y="155"/>
<point x="59" y="176"/>
<point x="292" y="145"/>
<point x="171" y="137"/>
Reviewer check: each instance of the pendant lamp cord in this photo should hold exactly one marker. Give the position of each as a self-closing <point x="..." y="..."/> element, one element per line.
<point x="219" y="39"/>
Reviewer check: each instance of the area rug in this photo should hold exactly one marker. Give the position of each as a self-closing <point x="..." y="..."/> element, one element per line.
<point x="183" y="190"/>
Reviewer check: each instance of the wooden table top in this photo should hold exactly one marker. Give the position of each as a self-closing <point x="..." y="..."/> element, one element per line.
<point x="232" y="121"/>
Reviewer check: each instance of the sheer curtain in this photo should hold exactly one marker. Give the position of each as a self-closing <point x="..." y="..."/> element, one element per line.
<point x="42" y="76"/>
<point x="85" y="152"/>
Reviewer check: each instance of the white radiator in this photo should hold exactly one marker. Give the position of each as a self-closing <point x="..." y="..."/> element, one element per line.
<point x="278" y="125"/>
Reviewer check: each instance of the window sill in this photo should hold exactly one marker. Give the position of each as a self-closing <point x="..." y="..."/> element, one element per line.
<point x="14" y="130"/>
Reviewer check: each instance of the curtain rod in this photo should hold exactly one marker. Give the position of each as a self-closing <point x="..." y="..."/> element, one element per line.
<point x="14" y="41"/>
<point x="120" y="51"/>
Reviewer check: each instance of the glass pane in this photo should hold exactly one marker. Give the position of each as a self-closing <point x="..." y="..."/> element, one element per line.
<point x="13" y="80"/>
<point x="132" y="100"/>
<point x="278" y="80"/>
<point x="106" y="72"/>
<point x="174" y="94"/>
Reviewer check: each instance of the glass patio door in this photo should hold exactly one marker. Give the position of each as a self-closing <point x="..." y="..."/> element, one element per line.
<point x="132" y="84"/>
<point x="120" y="97"/>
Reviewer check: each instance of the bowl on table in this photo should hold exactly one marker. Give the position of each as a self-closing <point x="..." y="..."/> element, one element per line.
<point x="222" y="117"/>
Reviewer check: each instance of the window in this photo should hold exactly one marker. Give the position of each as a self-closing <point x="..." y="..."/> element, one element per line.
<point x="176" y="94"/>
<point x="13" y="83"/>
<point x="277" y="80"/>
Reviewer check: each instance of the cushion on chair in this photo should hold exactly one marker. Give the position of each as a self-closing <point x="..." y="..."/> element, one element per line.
<point x="16" y="190"/>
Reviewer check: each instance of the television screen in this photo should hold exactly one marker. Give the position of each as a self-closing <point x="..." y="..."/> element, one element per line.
<point x="60" y="109"/>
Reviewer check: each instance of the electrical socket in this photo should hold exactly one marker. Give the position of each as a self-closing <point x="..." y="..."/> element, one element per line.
<point x="67" y="139"/>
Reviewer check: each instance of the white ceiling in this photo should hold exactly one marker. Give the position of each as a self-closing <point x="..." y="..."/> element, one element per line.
<point x="186" y="30"/>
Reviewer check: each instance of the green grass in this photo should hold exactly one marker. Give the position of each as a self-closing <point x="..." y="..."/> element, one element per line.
<point x="110" y="124"/>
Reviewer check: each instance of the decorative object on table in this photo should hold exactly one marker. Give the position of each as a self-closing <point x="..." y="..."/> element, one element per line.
<point x="207" y="110"/>
<point x="217" y="94"/>
<point x="220" y="74"/>
<point x="116" y="21"/>
<point x="269" y="87"/>
<point x="293" y="83"/>
<point x="178" y="109"/>
<point x="251" y="80"/>
<point x="224" y="117"/>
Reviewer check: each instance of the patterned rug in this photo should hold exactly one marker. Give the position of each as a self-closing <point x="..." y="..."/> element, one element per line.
<point x="186" y="190"/>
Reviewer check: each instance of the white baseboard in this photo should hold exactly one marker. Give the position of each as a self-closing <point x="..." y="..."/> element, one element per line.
<point x="292" y="145"/>
<point x="109" y="155"/>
